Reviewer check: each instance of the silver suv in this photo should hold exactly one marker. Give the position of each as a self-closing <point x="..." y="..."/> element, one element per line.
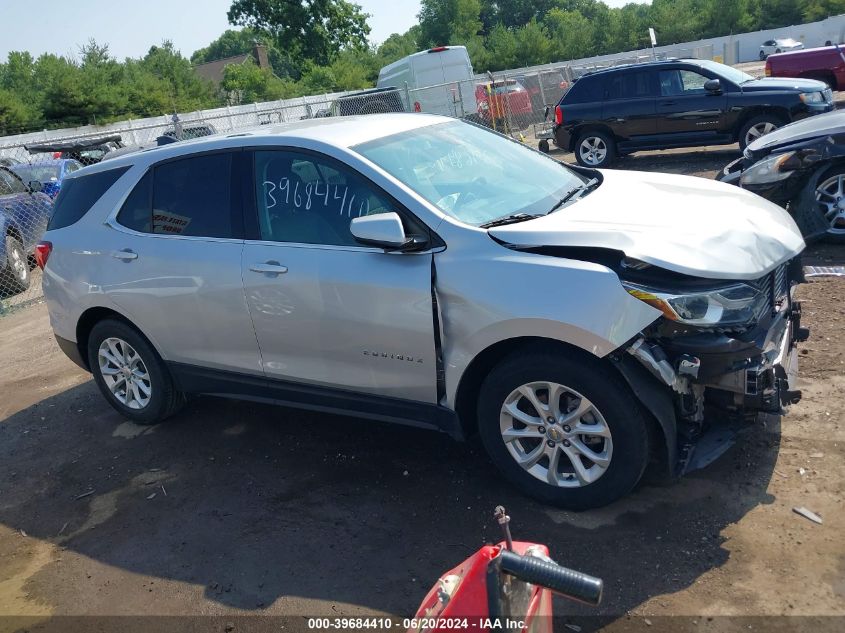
<point x="411" y="268"/>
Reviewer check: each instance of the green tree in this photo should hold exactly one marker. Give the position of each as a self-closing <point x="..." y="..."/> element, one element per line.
<point x="14" y="115"/>
<point x="532" y="44"/>
<point x="247" y="83"/>
<point x="398" y="46"/>
<point x="355" y="69"/>
<point x="501" y="44"/>
<point x="571" y="34"/>
<point x="311" y="30"/>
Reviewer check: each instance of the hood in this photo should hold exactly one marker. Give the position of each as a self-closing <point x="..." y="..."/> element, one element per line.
<point x="685" y="224"/>
<point x="783" y="83"/>
<point x="819" y="126"/>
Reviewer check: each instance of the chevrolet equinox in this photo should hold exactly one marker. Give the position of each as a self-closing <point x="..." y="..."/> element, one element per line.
<point x="413" y="268"/>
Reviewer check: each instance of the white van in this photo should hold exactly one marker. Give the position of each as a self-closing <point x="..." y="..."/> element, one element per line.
<point x="436" y="81"/>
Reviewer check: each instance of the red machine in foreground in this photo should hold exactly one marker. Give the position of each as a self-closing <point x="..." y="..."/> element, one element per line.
<point x="505" y="587"/>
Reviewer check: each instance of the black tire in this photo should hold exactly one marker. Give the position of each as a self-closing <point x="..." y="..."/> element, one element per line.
<point x="543" y="146"/>
<point x="164" y="400"/>
<point x="762" y="55"/>
<point x="15" y="277"/>
<point x="611" y="397"/>
<point x="598" y="162"/>
<point x="829" y="236"/>
<point x="777" y="50"/>
<point x="755" y="121"/>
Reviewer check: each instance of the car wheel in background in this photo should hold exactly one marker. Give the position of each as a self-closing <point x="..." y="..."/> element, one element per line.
<point x="15" y="276"/>
<point x="565" y="433"/>
<point x="543" y="146"/>
<point x="777" y="50"/>
<point x="762" y="55"/>
<point x="830" y="194"/>
<point x="756" y="127"/>
<point x="594" y="149"/>
<point x="130" y="374"/>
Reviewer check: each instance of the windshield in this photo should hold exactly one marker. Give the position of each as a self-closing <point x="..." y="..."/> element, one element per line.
<point x="472" y="174"/>
<point x="729" y="73"/>
<point x="41" y="173"/>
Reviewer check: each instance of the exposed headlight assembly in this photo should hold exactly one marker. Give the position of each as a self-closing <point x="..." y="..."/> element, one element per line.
<point x="769" y="170"/>
<point x="739" y="304"/>
<point x="812" y="97"/>
<point x="779" y="166"/>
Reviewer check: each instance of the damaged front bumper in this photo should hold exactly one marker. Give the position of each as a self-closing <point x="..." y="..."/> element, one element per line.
<point x="715" y="381"/>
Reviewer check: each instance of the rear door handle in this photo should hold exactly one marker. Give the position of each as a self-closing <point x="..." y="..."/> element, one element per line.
<point x="271" y="267"/>
<point x="126" y="254"/>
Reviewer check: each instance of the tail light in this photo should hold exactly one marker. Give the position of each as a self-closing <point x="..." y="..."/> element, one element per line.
<point x="417" y="106"/>
<point x="768" y="68"/>
<point x="558" y="115"/>
<point x="438" y="49"/>
<point x="42" y="253"/>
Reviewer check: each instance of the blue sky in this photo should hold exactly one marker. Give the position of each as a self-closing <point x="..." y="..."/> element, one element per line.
<point x="60" y="26"/>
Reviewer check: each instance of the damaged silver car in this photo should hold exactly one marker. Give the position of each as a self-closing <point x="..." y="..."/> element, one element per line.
<point x="587" y="324"/>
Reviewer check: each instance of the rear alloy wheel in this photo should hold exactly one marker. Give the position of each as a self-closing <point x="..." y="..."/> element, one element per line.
<point x="830" y="195"/>
<point x="594" y="149"/>
<point x="757" y="127"/>
<point x="15" y="277"/>
<point x="564" y="431"/>
<point x="130" y="374"/>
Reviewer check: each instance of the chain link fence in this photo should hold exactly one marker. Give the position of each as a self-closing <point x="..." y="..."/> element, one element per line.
<point x="33" y="166"/>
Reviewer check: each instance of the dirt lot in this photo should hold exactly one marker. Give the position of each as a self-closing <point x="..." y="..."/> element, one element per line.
<point x="237" y="508"/>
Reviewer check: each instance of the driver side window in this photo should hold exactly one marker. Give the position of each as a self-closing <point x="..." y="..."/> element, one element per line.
<point x="305" y="200"/>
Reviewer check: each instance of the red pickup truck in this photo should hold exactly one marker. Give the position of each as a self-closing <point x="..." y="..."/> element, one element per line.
<point x="826" y="64"/>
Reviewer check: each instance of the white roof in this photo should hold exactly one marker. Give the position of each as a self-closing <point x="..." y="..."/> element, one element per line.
<point x="337" y="131"/>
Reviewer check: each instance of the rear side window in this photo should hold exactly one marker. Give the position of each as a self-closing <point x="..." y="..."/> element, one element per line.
<point x="78" y="195"/>
<point x="136" y="212"/>
<point x="630" y="86"/>
<point x="190" y="196"/>
<point x="585" y="90"/>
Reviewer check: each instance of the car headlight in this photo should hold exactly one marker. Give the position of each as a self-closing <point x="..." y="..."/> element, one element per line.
<point x="768" y="170"/>
<point x="812" y="97"/>
<point x="738" y="304"/>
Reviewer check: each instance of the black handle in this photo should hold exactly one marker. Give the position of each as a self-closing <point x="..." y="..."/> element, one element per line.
<point x="568" y="582"/>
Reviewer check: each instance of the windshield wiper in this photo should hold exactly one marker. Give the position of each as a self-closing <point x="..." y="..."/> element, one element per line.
<point x="511" y="218"/>
<point x="576" y="191"/>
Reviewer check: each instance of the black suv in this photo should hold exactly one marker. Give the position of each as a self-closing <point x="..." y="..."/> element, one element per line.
<point x="677" y="103"/>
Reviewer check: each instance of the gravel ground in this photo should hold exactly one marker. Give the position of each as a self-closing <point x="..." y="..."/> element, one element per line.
<point x="240" y="509"/>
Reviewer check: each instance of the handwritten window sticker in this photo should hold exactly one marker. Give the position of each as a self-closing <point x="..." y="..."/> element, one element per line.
<point x="308" y="187"/>
<point x="325" y="194"/>
<point x="345" y="191"/>
<point x="269" y="194"/>
<point x="297" y="198"/>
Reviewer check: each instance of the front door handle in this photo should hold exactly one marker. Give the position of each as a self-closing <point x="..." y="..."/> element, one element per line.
<point x="668" y="103"/>
<point x="271" y="267"/>
<point x="126" y="254"/>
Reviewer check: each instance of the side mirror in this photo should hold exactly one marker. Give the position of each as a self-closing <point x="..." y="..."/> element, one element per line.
<point x="381" y="229"/>
<point x="713" y="85"/>
<point x="35" y="186"/>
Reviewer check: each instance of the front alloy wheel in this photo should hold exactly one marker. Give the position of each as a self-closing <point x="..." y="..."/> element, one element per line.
<point x="556" y="434"/>
<point x="563" y="427"/>
<point x="15" y="278"/>
<point x="830" y="195"/>
<point x="760" y="129"/>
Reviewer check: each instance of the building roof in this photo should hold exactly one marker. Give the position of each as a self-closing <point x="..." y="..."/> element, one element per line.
<point x="213" y="71"/>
